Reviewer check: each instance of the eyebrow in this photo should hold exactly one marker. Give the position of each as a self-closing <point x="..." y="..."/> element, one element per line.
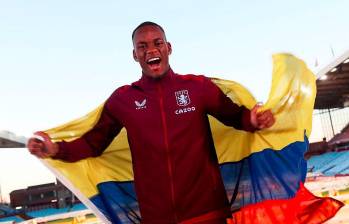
<point x="156" y="39"/>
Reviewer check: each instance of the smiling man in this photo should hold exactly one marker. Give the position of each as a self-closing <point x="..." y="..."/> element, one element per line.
<point x="151" y="50"/>
<point x="176" y="171"/>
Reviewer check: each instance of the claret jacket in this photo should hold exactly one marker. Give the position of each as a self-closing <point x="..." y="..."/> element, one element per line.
<point x="176" y="170"/>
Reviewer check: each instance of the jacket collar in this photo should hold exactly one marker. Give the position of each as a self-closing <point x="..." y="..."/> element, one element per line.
<point x="146" y="82"/>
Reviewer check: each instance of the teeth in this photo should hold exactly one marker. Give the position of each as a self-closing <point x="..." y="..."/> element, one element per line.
<point x="153" y="59"/>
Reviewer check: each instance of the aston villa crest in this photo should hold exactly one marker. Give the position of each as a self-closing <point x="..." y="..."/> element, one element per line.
<point x="182" y="98"/>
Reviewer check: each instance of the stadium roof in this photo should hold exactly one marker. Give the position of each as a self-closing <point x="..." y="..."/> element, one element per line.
<point x="333" y="84"/>
<point x="10" y="140"/>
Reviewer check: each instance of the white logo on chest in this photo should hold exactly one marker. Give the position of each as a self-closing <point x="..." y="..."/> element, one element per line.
<point x="141" y="105"/>
<point x="185" y="110"/>
<point x="182" y="98"/>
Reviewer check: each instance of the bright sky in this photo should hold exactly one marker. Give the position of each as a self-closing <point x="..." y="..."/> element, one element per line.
<point x="19" y="169"/>
<point x="60" y="59"/>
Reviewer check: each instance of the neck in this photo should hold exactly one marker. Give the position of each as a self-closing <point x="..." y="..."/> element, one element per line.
<point x="148" y="81"/>
<point x="157" y="77"/>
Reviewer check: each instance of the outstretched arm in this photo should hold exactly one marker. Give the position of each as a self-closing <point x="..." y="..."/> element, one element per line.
<point x="90" y="144"/>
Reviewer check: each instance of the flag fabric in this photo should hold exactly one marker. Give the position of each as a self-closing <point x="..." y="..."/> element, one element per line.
<point x="263" y="171"/>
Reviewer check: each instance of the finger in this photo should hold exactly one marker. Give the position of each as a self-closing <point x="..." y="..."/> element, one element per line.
<point x="256" y="108"/>
<point x="262" y="119"/>
<point x="33" y="144"/>
<point x="42" y="155"/>
<point x="271" y="122"/>
<point x="266" y="118"/>
<point x="45" y="155"/>
<point x="253" y="115"/>
<point x="35" y="151"/>
<point x="47" y="140"/>
<point x="261" y="126"/>
<point x="31" y="141"/>
<point x="38" y="144"/>
<point x="263" y="115"/>
<point x="33" y="148"/>
<point x="36" y="139"/>
<point x="268" y="122"/>
<point x="39" y="153"/>
<point x="30" y="144"/>
<point x="43" y="135"/>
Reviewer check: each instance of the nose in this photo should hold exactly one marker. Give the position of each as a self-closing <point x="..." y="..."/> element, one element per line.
<point x="151" y="50"/>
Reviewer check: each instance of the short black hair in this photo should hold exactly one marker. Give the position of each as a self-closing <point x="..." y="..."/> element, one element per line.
<point x="147" y="23"/>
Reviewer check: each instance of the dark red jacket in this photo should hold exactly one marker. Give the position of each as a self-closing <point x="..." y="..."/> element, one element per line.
<point x="176" y="171"/>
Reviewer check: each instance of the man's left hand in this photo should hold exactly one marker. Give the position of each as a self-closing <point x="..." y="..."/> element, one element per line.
<point x="261" y="120"/>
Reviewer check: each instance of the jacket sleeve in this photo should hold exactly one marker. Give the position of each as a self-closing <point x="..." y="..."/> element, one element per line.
<point x="93" y="142"/>
<point x="224" y="109"/>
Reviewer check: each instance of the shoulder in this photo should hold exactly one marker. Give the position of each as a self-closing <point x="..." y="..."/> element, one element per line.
<point x="118" y="99"/>
<point x="120" y="92"/>
<point x="192" y="78"/>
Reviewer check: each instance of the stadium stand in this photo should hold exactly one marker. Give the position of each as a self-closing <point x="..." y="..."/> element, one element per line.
<point x="316" y="162"/>
<point x="8" y="214"/>
<point x="11" y="219"/>
<point x="331" y="158"/>
<point x="5" y="210"/>
<point x="54" y="211"/>
<point x="42" y="213"/>
<point x="330" y="164"/>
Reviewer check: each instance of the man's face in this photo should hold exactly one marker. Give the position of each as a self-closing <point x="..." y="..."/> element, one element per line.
<point x="151" y="50"/>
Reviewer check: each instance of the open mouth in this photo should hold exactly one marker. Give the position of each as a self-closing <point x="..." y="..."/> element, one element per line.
<point x="154" y="61"/>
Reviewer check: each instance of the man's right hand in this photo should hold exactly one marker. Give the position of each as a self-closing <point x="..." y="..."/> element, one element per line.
<point x="42" y="149"/>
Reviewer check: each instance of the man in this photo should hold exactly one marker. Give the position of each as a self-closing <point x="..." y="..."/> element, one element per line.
<point x="176" y="172"/>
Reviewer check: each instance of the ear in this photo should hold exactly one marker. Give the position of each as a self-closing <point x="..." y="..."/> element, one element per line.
<point x="134" y="55"/>
<point x="169" y="48"/>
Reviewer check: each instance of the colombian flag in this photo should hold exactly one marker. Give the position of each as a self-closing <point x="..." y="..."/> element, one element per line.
<point x="263" y="172"/>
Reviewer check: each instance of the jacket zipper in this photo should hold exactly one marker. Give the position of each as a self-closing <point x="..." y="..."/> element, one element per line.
<point x="169" y="165"/>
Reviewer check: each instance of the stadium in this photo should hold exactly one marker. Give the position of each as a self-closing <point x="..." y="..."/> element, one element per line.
<point x="328" y="162"/>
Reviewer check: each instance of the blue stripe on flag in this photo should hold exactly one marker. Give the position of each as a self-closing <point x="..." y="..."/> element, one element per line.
<point x="117" y="200"/>
<point x="269" y="174"/>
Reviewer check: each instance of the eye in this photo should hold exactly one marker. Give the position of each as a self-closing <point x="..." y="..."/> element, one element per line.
<point x="159" y="43"/>
<point x="141" y="46"/>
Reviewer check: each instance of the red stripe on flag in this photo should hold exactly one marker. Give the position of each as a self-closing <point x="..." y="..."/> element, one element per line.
<point x="304" y="208"/>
